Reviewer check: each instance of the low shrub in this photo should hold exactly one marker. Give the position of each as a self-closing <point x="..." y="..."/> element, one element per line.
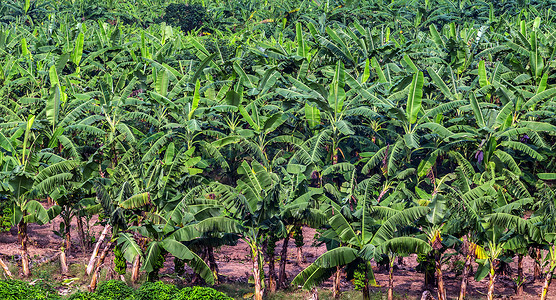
<point x="115" y="290"/>
<point x="200" y="293"/>
<point x="84" y="296"/>
<point x="21" y="290"/>
<point x="156" y="291"/>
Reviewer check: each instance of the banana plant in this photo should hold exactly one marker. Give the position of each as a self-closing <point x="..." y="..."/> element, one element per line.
<point x="30" y="174"/>
<point x="252" y="209"/>
<point x="370" y="234"/>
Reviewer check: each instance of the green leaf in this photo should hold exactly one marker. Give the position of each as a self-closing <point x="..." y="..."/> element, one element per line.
<point x="336" y="98"/>
<point x="483" y="80"/>
<point x="53" y="105"/>
<point x="436" y="36"/>
<point x="547" y="176"/>
<point x="170" y="154"/>
<point x="196" y="98"/>
<point x="410" y="63"/>
<point x="36" y="213"/>
<point x="162" y="82"/>
<point x="312" y="115"/>
<point x="378" y="70"/>
<point x="248" y="118"/>
<point x="301" y="47"/>
<point x="539" y="97"/>
<point x="366" y="72"/>
<point x="340" y="256"/>
<point x="405" y="245"/>
<point x="244" y="77"/>
<point x="53" y="75"/>
<point x="414" y="98"/>
<point x="24" y="49"/>
<point x="477" y="111"/>
<point x="136" y="201"/>
<point x="535" y="59"/>
<point x="130" y="248"/>
<point x="482" y="270"/>
<point x="78" y="49"/>
<point x="201" y="67"/>
<point x="440" y="83"/>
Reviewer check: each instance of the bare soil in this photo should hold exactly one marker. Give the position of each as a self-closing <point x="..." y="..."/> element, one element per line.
<point x="234" y="265"/>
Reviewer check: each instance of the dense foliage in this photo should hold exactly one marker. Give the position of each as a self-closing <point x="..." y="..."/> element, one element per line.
<point x="108" y="290"/>
<point x="21" y="290"/>
<point x="394" y="128"/>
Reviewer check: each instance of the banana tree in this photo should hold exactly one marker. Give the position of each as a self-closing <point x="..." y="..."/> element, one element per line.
<point x="252" y="208"/>
<point x="363" y="239"/>
<point x="31" y="175"/>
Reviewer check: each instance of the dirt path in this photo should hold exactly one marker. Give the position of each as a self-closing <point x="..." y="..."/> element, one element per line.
<point x="234" y="266"/>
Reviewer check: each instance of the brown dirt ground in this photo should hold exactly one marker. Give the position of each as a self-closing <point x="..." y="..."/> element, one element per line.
<point x="234" y="265"/>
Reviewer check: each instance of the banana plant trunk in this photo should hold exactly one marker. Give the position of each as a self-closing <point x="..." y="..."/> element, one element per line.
<point x="439" y="277"/>
<point x="366" y="293"/>
<point x="212" y="263"/>
<point x="299" y="256"/>
<point x="5" y="267"/>
<point x="99" y="264"/>
<point x="23" y="241"/>
<point x="520" y="277"/>
<point x="336" y="283"/>
<point x="283" y="260"/>
<point x="491" y="282"/>
<point x="391" y="278"/>
<point x="537" y="273"/>
<point x="94" y="255"/>
<point x="65" y="251"/>
<point x="135" y="269"/>
<point x="271" y="273"/>
<point x="465" y="278"/>
<point x="258" y="272"/>
<point x="547" y="281"/>
<point x="81" y="232"/>
<point x="63" y="262"/>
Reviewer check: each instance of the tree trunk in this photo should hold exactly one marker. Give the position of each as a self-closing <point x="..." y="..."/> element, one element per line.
<point x="135" y="269"/>
<point x="520" y="278"/>
<point x="256" y="260"/>
<point x="283" y="260"/>
<point x="491" y="282"/>
<point x="91" y="264"/>
<point x="212" y="263"/>
<point x="81" y="232"/>
<point x="23" y="240"/>
<point x="547" y="281"/>
<point x="99" y="264"/>
<point x="537" y="271"/>
<point x="465" y="278"/>
<point x="300" y="259"/>
<point x="439" y="278"/>
<point x="271" y="273"/>
<point x="65" y="251"/>
<point x="6" y="269"/>
<point x="68" y="240"/>
<point x="63" y="262"/>
<point x="336" y="283"/>
<point x="400" y="261"/>
<point x="366" y="294"/>
<point x="391" y="279"/>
